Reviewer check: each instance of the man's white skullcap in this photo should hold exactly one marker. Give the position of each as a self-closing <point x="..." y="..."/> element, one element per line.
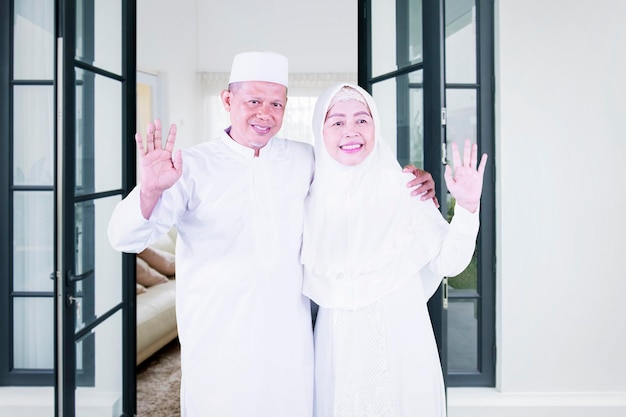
<point x="259" y="66"/>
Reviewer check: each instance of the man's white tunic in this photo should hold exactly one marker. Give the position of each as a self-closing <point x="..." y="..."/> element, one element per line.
<point x="244" y="325"/>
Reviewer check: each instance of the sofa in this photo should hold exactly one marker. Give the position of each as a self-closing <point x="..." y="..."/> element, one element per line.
<point x="156" y="297"/>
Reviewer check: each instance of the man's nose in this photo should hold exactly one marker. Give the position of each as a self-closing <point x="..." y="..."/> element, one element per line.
<point x="263" y="110"/>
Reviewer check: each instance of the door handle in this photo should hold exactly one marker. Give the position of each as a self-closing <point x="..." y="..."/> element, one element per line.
<point x="75" y="278"/>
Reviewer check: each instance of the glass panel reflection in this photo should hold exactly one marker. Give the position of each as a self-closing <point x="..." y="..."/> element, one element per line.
<point x="34" y="38"/>
<point x="96" y="262"/>
<point x="460" y="41"/>
<point x="99" y="370"/>
<point x="383" y="37"/>
<point x="33" y="143"/>
<point x="462" y="117"/>
<point x="98" y="133"/>
<point x="99" y="34"/>
<point x="33" y="240"/>
<point x="462" y="335"/>
<point x="416" y="48"/>
<point x="33" y="333"/>
<point x="385" y="95"/>
<point x="416" y="121"/>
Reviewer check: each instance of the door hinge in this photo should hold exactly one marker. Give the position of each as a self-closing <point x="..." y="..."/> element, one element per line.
<point x="494" y="353"/>
<point x="444" y="116"/>
<point x="445" y="293"/>
<point x="444" y="154"/>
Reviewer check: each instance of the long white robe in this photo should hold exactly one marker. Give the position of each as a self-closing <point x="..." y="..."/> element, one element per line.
<point x="244" y="325"/>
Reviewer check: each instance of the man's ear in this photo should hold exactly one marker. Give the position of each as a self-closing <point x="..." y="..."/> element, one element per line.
<point x="226" y="95"/>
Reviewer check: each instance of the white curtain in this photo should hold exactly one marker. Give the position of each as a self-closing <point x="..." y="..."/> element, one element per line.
<point x="304" y="88"/>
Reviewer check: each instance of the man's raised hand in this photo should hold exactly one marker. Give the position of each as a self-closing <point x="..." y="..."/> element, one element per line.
<point x="158" y="169"/>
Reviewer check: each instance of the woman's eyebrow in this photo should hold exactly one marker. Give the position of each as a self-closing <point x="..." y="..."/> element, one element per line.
<point x="335" y="115"/>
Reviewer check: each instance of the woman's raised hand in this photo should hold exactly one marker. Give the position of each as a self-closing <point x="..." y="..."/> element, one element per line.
<point x="465" y="180"/>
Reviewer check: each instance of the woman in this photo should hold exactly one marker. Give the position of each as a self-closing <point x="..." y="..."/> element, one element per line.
<point x="373" y="256"/>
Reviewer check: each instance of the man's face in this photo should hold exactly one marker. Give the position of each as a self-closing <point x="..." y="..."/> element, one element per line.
<point x="349" y="132"/>
<point x="256" y="111"/>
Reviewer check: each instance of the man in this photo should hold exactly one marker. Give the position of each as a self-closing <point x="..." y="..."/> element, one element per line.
<point x="237" y="204"/>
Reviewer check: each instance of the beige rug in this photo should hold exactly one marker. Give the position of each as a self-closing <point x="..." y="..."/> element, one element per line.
<point x="158" y="383"/>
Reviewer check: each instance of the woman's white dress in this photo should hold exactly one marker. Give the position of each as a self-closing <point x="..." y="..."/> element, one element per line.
<point x="380" y="360"/>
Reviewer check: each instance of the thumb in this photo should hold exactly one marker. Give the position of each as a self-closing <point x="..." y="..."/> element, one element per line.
<point x="178" y="161"/>
<point x="448" y="176"/>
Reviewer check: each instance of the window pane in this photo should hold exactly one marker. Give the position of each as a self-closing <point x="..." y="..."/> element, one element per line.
<point x="101" y="289"/>
<point x="460" y="41"/>
<point x="385" y="92"/>
<point x="34" y="40"/>
<point x="33" y="240"/>
<point x="383" y="37"/>
<point x="416" y="114"/>
<point x="99" y="370"/>
<point x="385" y="55"/>
<point x="33" y="143"/>
<point x="101" y="44"/>
<point x="98" y="133"/>
<point x="462" y="118"/>
<point x="33" y="332"/>
<point x="415" y="32"/>
<point x="462" y="335"/>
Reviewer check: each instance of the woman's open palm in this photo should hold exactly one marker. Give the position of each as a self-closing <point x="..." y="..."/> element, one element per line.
<point x="465" y="180"/>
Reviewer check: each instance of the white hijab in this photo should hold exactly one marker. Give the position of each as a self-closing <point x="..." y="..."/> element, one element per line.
<point x="364" y="234"/>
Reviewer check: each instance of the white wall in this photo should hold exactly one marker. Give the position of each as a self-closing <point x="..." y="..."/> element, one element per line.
<point x="316" y="36"/>
<point x="561" y="79"/>
<point x="166" y="45"/>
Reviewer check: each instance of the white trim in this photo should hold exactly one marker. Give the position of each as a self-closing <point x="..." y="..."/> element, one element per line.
<point x="489" y="402"/>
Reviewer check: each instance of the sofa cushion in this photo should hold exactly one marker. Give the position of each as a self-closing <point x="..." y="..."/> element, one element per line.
<point x="162" y="261"/>
<point x="156" y="319"/>
<point x="140" y="288"/>
<point x="148" y="276"/>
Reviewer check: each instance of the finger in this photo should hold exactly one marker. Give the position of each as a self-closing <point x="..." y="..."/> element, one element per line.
<point x="171" y="139"/>
<point x="150" y="137"/>
<point x="423" y="188"/>
<point x="436" y="201"/>
<point x="474" y="156"/>
<point x="178" y="162"/>
<point x="157" y="135"/>
<point x="428" y="194"/>
<point x="456" y="158"/>
<point x="467" y="153"/>
<point x="448" y="176"/>
<point x="141" y="150"/>
<point x="483" y="163"/>
<point x="409" y="168"/>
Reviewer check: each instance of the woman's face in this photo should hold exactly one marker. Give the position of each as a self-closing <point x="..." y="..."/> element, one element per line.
<point x="349" y="132"/>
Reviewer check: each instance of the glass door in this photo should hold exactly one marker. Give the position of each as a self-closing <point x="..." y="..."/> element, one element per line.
<point x="95" y="119"/>
<point x="431" y="63"/>
<point x="404" y="70"/>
